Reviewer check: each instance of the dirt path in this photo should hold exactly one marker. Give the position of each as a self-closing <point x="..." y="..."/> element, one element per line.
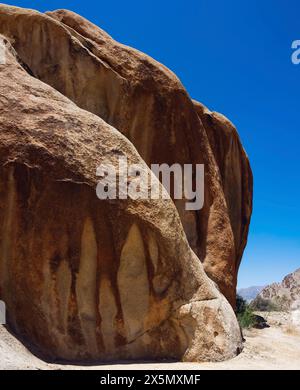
<point x="277" y="347"/>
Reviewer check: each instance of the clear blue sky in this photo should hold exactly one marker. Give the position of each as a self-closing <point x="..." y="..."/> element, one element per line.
<point x="233" y="56"/>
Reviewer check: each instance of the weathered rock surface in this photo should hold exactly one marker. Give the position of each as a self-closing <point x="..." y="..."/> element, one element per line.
<point x="147" y="103"/>
<point x="85" y="279"/>
<point x="236" y="174"/>
<point x="284" y="295"/>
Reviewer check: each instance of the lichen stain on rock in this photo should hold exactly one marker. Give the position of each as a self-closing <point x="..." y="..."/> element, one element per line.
<point x="63" y="286"/>
<point x="153" y="251"/>
<point x="133" y="283"/>
<point x="86" y="285"/>
<point x="108" y="311"/>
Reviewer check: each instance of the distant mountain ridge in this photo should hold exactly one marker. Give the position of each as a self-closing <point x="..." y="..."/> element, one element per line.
<point x="250" y="293"/>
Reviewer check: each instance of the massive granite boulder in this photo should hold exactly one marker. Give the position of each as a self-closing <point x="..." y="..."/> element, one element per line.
<point x="87" y="279"/>
<point x="235" y="171"/>
<point x="148" y="104"/>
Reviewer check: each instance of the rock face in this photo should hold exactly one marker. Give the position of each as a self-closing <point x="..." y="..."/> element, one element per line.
<point x="85" y="279"/>
<point x="147" y="103"/>
<point x="284" y="295"/>
<point x="78" y="285"/>
<point x="236" y="175"/>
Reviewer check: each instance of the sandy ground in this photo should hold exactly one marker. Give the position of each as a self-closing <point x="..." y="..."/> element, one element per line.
<point x="277" y="347"/>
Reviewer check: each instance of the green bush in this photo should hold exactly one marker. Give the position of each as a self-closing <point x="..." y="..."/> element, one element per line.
<point x="247" y="318"/>
<point x="244" y="313"/>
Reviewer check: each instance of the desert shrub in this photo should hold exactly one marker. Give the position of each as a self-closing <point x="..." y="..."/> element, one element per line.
<point x="247" y="318"/>
<point x="244" y="313"/>
<point x="262" y="304"/>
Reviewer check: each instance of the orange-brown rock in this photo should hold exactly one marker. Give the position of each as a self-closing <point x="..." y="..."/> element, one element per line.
<point x="235" y="171"/>
<point x="148" y="104"/>
<point x="89" y="279"/>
